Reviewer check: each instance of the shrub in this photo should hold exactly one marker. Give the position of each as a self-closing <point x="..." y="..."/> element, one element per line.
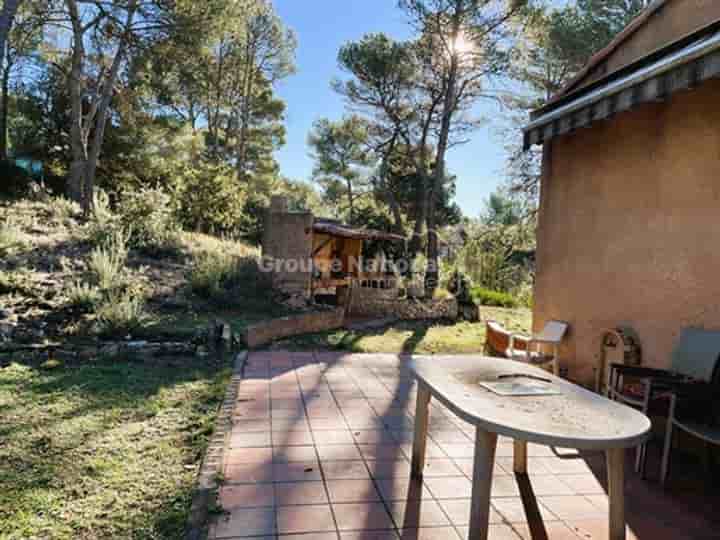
<point x="107" y="262"/>
<point x="486" y="297"/>
<point x="225" y="278"/>
<point x="441" y="293"/>
<point x="121" y="314"/>
<point x="84" y="296"/>
<point x="148" y="215"/>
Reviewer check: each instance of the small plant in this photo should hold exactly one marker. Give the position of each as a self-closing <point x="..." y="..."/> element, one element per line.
<point x="11" y="237"/>
<point x="62" y="208"/>
<point x="103" y="224"/>
<point x="84" y="296"/>
<point x="121" y="314"/>
<point x="101" y="206"/>
<point x="107" y="262"/>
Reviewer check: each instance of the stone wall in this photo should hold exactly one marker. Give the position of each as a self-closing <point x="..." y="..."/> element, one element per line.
<point x="293" y="325"/>
<point x="376" y="305"/>
<point x="363" y="291"/>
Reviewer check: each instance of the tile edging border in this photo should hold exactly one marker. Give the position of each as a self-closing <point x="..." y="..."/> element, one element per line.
<point x="206" y="484"/>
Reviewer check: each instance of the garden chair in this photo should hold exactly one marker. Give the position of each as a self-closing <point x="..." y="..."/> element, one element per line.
<point x="694" y="410"/>
<point x="694" y="359"/>
<point x="551" y="336"/>
<point x="497" y="340"/>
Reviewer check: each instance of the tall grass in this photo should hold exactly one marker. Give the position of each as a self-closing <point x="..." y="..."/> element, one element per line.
<point x="121" y="314"/>
<point x="225" y="278"/>
<point x="84" y="296"/>
<point x="107" y="262"/>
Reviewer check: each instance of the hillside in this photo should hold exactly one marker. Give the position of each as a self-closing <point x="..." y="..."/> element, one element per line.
<point x="65" y="279"/>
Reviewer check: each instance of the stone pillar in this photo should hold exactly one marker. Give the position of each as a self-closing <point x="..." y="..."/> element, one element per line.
<point x="278" y="204"/>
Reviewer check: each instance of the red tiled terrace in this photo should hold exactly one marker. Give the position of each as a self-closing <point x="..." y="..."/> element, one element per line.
<point x="320" y="450"/>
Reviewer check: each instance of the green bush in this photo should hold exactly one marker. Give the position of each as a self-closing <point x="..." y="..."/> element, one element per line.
<point x="486" y="297"/>
<point x="225" y="278"/>
<point x="121" y="314"/>
<point x="211" y="200"/>
<point x="107" y="262"/>
<point x="84" y="296"/>
<point x="148" y="216"/>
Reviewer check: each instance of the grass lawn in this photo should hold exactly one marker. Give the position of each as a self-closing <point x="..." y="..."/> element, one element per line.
<point x="103" y="450"/>
<point x="420" y="337"/>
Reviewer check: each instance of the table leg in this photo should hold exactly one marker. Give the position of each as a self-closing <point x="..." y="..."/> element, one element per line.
<point x="616" y="492"/>
<point x="520" y="457"/>
<point x="485" y="445"/>
<point x="422" y="414"/>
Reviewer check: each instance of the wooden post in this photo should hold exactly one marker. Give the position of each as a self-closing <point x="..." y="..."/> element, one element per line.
<point x="616" y="492"/>
<point x="520" y="457"/>
<point x="422" y="415"/>
<point x="485" y="445"/>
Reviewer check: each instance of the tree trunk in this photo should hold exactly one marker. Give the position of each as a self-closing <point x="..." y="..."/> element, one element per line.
<point x="7" y="17"/>
<point x="416" y="242"/>
<point x="351" y="201"/>
<point x="432" y="274"/>
<point x="77" y="141"/>
<point x="4" y="107"/>
<point x="102" y="111"/>
<point x="85" y="156"/>
<point x="247" y="88"/>
<point x="395" y="209"/>
<point x="386" y="190"/>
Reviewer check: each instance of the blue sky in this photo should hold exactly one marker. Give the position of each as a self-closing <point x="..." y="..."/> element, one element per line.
<point x="322" y="26"/>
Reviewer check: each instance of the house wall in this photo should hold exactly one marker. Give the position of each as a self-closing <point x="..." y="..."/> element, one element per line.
<point x="673" y="21"/>
<point x="629" y="228"/>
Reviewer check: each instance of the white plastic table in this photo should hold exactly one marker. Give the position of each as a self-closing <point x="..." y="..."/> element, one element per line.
<point x="574" y="418"/>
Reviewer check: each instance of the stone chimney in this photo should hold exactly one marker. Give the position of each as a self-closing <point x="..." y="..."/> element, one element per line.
<point x="279" y="204"/>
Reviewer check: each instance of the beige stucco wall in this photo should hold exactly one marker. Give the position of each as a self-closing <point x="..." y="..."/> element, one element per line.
<point x="675" y="20"/>
<point x="629" y="228"/>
